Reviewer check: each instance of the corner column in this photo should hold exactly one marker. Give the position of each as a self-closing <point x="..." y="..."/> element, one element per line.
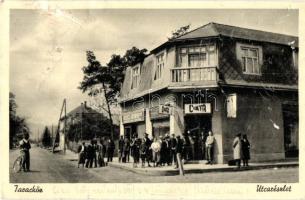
<point x="148" y="124"/>
<point x="121" y="126"/>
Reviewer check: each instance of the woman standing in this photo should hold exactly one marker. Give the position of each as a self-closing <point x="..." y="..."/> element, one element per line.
<point x="143" y="151"/>
<point x="156" y="147"/>
<point x="237" y="149"/>
<point x="245" y="150"/>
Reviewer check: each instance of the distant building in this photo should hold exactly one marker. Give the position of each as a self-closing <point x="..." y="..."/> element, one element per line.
<point x="86" y="124"/>
<point x="221" y="78"/>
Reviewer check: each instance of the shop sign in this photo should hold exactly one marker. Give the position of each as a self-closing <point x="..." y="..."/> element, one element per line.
<point x="159" y="112"/>
<point x="198" y="108"/>
<point x="231" y="105"/>
<point x="133" y="116"/>
<point x="164" y="109"/>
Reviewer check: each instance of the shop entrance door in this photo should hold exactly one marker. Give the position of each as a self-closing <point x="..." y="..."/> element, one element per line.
<point x="291" y="133"/>
<point x="198" y="125"/>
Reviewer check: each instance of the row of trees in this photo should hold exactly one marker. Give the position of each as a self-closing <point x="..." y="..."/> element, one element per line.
<point x="18" y="124"/>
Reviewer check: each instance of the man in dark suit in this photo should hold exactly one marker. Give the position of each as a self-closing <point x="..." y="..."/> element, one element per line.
<point x="121" y="148"/>
<point x="126" y="150"/>
<point x="173" y="145"/>
<point x="110" y="150"/>
<point x="179" y="149"/>
<point x="148" y="150"/>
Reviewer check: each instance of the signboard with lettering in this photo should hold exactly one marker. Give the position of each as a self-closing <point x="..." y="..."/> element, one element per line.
<point x="133" y="116"/>
<point x="164" y="109"/>
<point x="231" y="105"/>
<point x="197" y="108"/>
<point x="159" y="112"/>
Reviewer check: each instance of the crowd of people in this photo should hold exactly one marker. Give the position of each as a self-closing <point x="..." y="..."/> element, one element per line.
<point x="155" y="152"/>
<point x="158" y="151"/>
<point x="94" y="154"/>
<point x="162" y="150"/>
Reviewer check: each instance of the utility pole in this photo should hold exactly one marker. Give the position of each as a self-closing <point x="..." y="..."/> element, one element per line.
<point x="65" y="125"/>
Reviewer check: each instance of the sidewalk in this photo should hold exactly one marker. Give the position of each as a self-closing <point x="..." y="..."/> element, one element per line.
<point x="199" y="167"/>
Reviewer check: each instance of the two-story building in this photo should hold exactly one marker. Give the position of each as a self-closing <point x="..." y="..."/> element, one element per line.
<point x="222" y="78"/>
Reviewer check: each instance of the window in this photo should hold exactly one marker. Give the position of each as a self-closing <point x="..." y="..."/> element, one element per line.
<point x="160" y="66"/>
<point x="197" y="60"/>
<point x="198" y="56"/>
<point x="135" y="77"/>
<point x="250" y="60"/>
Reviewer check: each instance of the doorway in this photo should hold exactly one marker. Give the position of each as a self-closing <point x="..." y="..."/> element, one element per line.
<point x="199" y="125"/>
<point x="291" y="132"/>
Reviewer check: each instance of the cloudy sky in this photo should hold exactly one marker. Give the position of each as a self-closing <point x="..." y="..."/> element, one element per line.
<point x="47" y="47"/>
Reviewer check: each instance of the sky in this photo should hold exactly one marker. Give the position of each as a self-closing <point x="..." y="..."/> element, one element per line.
<point x="48" y="47"/>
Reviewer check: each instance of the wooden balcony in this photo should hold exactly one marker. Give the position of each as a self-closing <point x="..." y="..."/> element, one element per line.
<point x="188" y="78"/>
<point x="194" y="74"/>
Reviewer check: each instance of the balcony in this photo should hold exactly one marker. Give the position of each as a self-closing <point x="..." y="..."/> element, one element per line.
<point x="194" y="76"/>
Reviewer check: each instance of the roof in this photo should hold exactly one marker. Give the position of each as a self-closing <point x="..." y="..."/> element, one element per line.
<point x="213" y="29"/>
<point x="82" y="109"/>
<point x="145" y="79"/>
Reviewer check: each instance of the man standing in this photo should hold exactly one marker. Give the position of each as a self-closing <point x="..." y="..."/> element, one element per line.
<point x="179" y="149"/>
<point x="94" y="153"/>
<point x="173" y="145"/>
<point x="148" y="150"/>
<point x="110" y="150"/>
<point x="121" y="147"/>
<point x="126" y="149"/>
<point x="101" y="153"/>
<point x="209" y="147"/>
<point x="90" y="155"/>
<point x="25" y="147"/>
<point x="163" y="151"/>
<point x="81" y="155"/>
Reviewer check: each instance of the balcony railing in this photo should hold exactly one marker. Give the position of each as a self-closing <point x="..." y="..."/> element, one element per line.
<point x="194" y="74"/>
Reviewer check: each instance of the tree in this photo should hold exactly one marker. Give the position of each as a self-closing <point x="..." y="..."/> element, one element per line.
<point x="107" y="80"/>
<point x="17" y="124"/>
<point x="46" y="138"/>
<point x="179" y="32"/>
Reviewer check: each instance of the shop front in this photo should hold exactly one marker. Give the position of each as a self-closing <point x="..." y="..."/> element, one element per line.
<point x="198" y="122"/>
<point x="134" y="123"/>
<point x="160" y="119"/>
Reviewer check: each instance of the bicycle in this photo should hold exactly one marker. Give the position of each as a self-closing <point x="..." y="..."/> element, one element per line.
<point x="17" y="166"/>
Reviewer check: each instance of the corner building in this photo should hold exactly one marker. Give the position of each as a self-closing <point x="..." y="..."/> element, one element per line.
<point x="222" y="78"/>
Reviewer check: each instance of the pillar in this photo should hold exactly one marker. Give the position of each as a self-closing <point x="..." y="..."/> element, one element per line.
<point x="121" y="126"/>
<point x="148" y="124"/>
